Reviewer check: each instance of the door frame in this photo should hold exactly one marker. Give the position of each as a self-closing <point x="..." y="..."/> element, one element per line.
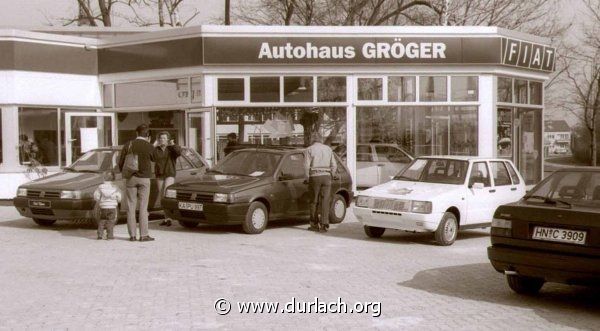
<point x="210" y="111"/>
<point x="68" y="138"/>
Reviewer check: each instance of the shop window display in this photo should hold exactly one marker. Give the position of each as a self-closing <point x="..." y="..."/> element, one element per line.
<point x="370" y="88"/>
<point x="505" y="89"/>
<point x="387" y="137"/>
<point x="280" y="125"/>
<point x="38" y="136"/>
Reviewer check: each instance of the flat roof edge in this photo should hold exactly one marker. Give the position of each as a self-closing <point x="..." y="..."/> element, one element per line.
<point x="43" y="37"/>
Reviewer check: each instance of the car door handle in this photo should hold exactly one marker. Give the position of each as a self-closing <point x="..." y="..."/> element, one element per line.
<point x="492" y="191"/>
<point x="513" y="188"/>
<point x="193" y="173"/>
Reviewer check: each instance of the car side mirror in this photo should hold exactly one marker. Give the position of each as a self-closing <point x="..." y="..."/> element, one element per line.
<point x="477" y="186"/>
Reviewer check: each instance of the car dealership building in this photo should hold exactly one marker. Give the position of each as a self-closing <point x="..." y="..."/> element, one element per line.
<point x="378" y="95"/>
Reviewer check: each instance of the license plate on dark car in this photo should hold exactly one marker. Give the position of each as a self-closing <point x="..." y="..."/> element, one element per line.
<point x="39" y="204"/>
<point x="559" y="235"/>
<point x="191" y="206"/>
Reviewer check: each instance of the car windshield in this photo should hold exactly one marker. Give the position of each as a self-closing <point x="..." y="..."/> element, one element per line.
<point x="249" y="163"/>
<point x="94" y="161"/>
<point x="564" y="188"/>
<point x="443" y="171"/>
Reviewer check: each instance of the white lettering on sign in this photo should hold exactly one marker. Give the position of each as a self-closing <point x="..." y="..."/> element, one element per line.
<point x="512" y="51"/>
<point x="537" y="57"/>
<point x="370" y="50"/>
<point x="549" y="57"/>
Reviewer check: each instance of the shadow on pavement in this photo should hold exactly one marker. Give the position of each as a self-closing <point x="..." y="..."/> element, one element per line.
<point x="354" y="230"/>
<point x="572" y="306"/>
<point x="221" y="228"/>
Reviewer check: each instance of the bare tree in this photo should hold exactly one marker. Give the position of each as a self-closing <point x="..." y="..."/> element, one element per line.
<point x="157" y="12"/>
<point x="90" y="14"/>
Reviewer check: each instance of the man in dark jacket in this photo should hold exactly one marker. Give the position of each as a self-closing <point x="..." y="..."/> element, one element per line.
<point x="166" y="153"/>
<point x="138" y="185"/>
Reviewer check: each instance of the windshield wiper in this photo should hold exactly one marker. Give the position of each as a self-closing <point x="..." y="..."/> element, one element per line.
<point x="215" y="171"/>
<point x="403" y="177"/>
<point x="548" y="200"/>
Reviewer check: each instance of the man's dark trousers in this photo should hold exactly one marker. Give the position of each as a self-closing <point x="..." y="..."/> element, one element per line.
<point x="320" y="188"/>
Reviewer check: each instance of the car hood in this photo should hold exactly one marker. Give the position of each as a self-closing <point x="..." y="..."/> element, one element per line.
<point x="66" y="181"/>
<point x="398" y="189"/>
<point x="220" y="183"/>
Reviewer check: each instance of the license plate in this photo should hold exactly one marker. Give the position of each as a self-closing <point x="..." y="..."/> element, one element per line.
<point x="39" y="204"/>
<point x="191" y="206"/>
<point x="559" y="235"/>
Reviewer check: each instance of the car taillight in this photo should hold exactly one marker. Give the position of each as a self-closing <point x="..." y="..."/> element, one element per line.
<point x="501" y="227"/>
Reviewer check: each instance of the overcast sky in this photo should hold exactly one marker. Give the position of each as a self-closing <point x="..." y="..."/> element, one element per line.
<point x="33" y="13"/>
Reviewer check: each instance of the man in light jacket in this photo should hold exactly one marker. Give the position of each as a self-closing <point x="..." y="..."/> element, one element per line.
<point x="320" y="167"/>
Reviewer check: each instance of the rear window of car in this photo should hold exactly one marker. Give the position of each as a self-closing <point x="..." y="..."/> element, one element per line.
<point x="577" y="187"/>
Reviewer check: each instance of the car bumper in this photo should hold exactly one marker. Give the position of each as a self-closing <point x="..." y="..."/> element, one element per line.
<point x="551" y="266"/>
<point x="59" y="209"/>
<point x="213" y="213"/>
<point x="398" y="220"/>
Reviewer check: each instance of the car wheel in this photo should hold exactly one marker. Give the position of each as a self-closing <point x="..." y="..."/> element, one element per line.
<point x="374" y="231"/>
<point x="524" y="285"/>
<point x="256" y="219"/>
<point x="447" y="230"/>
<point x="189" y="224"/>
<point x="338" y="209"/>
<point x="44" y="222"/>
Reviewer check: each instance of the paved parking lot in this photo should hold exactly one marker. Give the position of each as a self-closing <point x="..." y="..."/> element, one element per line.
<point x="62" y="277"/>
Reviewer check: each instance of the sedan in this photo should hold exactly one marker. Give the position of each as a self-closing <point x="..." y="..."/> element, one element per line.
<point x="552" y="234"/>
<point x="251" y="187"/>
<point x="68" y="195"/>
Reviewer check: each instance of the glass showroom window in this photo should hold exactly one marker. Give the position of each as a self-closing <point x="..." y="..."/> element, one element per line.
<point x="402" y="89"/>
<point x="521" y="91"/>
<point x="280" y="125"/>
<point x="264" y="89"/>
<point x="464" y="88"/>
<point x="155" y="93"/>
<point x="230" y="89"/>
<point x="505" y="89"/>
<point x="433" y="88"/>
<point x="535" y="93"/>
<point x="298" y="89"/>
<point x="505" y="133"/>
<point x="415" y="131"/>
<point x="197" y="85"/>
<point x="370" y="88"/>
<point x="171" y="121"/>
<point x="38" y="136"/>
<point x="331" y="89"/>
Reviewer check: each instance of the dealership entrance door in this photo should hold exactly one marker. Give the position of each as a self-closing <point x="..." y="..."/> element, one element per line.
<point x="198" y="128"/>
<point x="86" y="131"/>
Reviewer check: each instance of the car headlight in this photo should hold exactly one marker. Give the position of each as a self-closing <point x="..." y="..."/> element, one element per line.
<point x="422" y="207"/>
<point x="171" y="194"/>
<point x="221" y="197"/>
<point x="70" y="194"/>
<point x="362" y="201"/>
<point x="21" y="192"/>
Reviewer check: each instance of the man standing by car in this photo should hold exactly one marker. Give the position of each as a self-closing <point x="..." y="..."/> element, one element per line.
<point x="166" y="153"/>
<point x="138" y="182"/>
<point x="320" y="166"/>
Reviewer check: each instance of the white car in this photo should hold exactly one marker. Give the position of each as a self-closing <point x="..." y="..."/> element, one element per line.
<point x="440" y="194"/>
<point x="376" y="163"/>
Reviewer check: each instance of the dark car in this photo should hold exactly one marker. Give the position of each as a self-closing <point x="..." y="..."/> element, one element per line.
<point x="68" y="195"/>
<point x="552" y="234"/>
<point x="251" y="187"/>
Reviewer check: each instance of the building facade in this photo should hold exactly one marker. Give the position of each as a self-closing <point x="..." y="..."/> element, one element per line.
<point x="378" y="95"/>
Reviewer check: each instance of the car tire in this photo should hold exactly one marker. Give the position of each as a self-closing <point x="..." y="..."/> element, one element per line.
<point x="524" y="285"/>
<point x="256" y="219"/>
<point x="42" y="222"/>
<point x="447" y="230"/>
<point x="374" y="231"/>
<point x="337" y="213"/>
<point x="189" y="224"/>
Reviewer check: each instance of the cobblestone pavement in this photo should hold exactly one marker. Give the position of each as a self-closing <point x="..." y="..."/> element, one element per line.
<point x="62" y="277"/>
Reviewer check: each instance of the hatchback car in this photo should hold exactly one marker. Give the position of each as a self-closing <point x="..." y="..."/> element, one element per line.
<point x="440" y="195"/>
<point x="252" y="187"/>
<point x="552" y="234"/>
<point x="68" y="195"/>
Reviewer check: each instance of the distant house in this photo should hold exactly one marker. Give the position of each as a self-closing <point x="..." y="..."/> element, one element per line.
<point x="557" y="137"/>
